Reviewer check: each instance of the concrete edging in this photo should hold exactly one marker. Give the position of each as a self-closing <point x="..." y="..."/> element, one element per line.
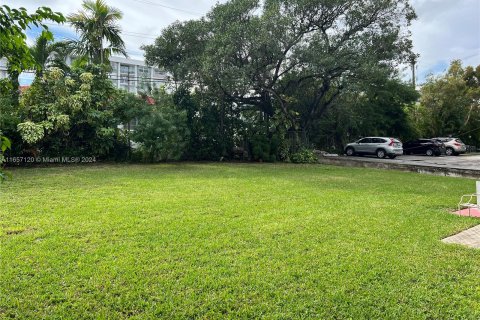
<point x="425" y="169"/>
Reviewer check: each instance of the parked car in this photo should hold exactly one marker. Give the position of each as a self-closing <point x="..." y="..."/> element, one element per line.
<point x="453" y="146"/>
<point x="379" y="146"/>
<point x="429" y="147"/>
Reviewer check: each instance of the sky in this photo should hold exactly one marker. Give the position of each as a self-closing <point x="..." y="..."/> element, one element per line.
<point x="444" y="30"/>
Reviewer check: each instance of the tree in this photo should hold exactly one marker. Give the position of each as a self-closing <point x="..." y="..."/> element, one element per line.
<point x="48" y="53"/>
<point x="211" y="124"/>
<point x="13" y="47"/>
<point x="379" y="108"/>
<point x="97" y="23"/>
<point x="258" y="54"/>
<point x="450" y="104"/>
<point x="162" y="131"/>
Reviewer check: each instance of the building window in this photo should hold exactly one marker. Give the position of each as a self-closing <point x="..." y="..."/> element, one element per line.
<point x="158" y="74"/>
<point x="127" y="77"/>
<point x="114" y="67"/>
<point x="114" y="73"/>
<point x="143" y="74"/>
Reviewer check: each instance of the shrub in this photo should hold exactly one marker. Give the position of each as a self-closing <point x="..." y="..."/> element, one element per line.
<point x="162" y="132"/>
<point x="304" y="156"/>
<point x="70" y="114"/>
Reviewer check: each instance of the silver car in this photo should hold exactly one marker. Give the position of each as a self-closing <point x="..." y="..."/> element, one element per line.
<point x="453" y="146"/>
<point x="380" y="146"/>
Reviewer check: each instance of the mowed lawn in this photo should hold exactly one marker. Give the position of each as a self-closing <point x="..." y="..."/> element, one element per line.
<point x="215" y="241"/>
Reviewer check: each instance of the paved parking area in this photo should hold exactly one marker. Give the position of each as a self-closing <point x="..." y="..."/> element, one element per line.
<point x="465" y="161"/>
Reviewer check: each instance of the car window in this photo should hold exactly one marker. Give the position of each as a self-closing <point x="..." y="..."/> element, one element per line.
<point x="459" y="141"/>
<point x="365" y="140"/>
<point x="378" y="140"/>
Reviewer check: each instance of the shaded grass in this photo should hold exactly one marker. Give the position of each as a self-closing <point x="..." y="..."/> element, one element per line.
<point x="234" y="241"/>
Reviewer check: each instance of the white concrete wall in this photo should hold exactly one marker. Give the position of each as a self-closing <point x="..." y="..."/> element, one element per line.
<point x="156" y="78"/>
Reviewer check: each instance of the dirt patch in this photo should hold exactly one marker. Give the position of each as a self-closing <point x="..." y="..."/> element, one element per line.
<point x="15" y="231"/>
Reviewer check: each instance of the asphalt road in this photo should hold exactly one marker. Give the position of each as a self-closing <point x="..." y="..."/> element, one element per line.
<point x="465" y="161"/>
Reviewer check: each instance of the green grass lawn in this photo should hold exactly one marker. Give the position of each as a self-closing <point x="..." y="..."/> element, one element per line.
<point x="245" y="241"/>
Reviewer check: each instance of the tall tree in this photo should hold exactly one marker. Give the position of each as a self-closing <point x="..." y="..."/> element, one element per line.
<point x="259" y="53"/>
<point x="13" y="46"/>
<point x="450" y="104"/>
<point x="99" y="31"/>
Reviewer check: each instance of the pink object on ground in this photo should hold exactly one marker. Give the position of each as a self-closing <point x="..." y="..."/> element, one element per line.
<point x="472" y="212"/>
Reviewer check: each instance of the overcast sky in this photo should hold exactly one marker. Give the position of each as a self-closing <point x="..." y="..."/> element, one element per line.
<point x="445" y="29"/>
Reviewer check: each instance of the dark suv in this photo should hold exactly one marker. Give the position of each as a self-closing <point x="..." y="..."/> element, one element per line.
<point x="429" y="147"/>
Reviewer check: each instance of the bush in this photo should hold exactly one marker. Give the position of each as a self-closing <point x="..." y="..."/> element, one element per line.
<point x="264" y="148"/>
<point x="304" y="156"/>
<point x="69" y="114"/>
<point x="162" y="132"/>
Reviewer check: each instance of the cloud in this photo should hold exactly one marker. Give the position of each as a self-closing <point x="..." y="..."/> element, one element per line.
<point x="445" y="29"/>
<point x="143" y="20"/>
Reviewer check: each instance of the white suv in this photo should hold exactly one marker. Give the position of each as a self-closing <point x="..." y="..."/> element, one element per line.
<point x="453" y="146"/>
<point x="379" y="146"/>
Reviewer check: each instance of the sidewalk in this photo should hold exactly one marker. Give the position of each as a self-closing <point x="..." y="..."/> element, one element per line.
<point x="469" y="238"/>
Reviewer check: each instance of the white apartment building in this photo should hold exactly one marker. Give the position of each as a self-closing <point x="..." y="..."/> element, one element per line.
<point x="131" y="75"/>
<point x="134" y="75"/>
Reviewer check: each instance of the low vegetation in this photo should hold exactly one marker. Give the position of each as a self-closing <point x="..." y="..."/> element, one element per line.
<point x="217" y="241"/>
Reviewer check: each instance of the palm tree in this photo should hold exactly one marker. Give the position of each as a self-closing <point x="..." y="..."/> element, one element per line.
<point x="49" y="54"/>
<point x="96" y="23"/>
<point x="40" y="53"/>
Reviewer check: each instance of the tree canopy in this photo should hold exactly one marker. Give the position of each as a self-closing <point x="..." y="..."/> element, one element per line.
<point x="13" y="46"/>
<point x="260" y="54"/>
<point x="450" y="104"/>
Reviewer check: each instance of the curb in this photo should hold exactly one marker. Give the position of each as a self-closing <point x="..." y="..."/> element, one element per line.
<point x="425" y="169"/>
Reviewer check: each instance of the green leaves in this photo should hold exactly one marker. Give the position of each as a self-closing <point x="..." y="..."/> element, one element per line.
<point x="162" y="132"/>
<point x="5" y="143"/>
<point x="13" y="24"/>
<point x="96" y="23"/>
<point x="32" y="132"/>
<point x="450" y="104"/>
<point x="260" y="54"/>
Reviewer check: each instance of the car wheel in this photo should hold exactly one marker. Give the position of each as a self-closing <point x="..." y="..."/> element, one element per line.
<point x="381" y="153"/>
<point x="449" y="152"/>
<point x="392" y="156"/>
<point x="350" y="152"/>
<point x="429" y="152"/>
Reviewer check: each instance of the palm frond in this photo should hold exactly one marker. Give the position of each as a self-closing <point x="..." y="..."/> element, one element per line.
<point x="97" y="24"/>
